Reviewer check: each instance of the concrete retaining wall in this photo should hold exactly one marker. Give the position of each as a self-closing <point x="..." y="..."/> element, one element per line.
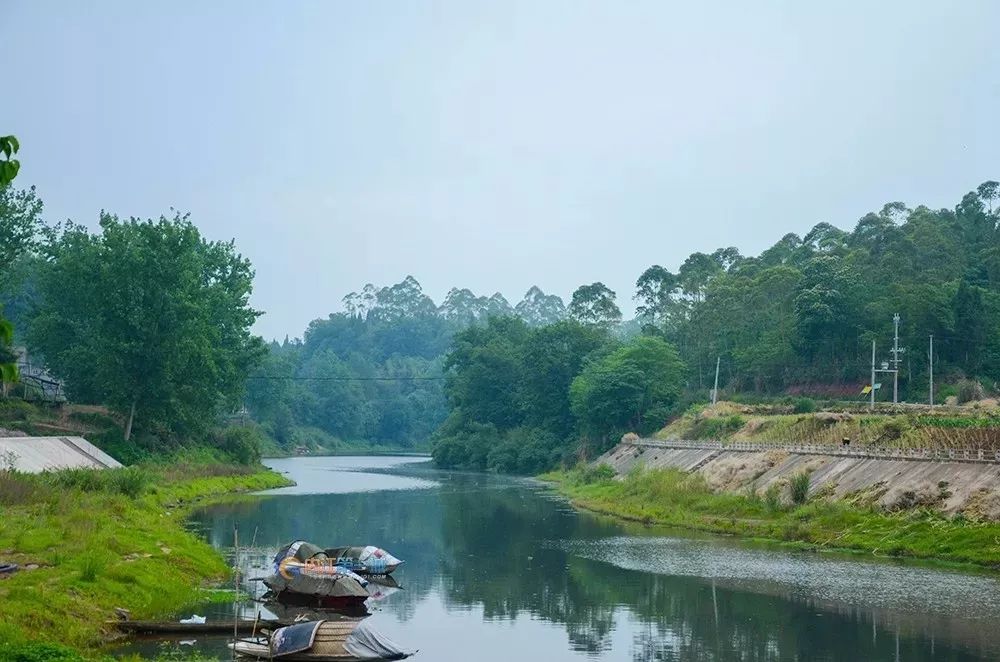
<point x="37" y="454"/>
<point x="951" y="486"/>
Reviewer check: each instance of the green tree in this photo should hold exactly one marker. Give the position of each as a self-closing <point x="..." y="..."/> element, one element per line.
<point x="632" y="388"/>
<point x="538" y="308"/>
<point x="9" y="166"/>
<point x="149" y="318"/>
<point x="11" y="239"/>
<point x="594" y="304"/>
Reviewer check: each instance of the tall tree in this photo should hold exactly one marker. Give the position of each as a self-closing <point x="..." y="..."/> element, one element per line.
<point x="632" y="388"/>
<point x="149" y="318"/>
<point x="594" y="304"/>
<point x="538" y="308"/>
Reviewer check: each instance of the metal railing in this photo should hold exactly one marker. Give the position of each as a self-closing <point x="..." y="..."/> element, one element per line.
<point x="864" y="452"/>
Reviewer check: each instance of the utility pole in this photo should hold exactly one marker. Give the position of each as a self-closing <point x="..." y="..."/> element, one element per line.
<point x="871" y="403"/>
<point x="715" y="391"/>
<point x="896" y="351"/>
<point x="930" y="354"/>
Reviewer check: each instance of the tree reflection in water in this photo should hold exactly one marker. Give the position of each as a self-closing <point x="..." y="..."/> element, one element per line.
<point x="497" y="544"/>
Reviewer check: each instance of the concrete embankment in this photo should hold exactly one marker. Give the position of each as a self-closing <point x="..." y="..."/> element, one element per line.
<point x="968" y="483"/>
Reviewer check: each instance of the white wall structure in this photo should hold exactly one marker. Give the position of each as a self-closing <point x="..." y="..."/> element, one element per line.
<point x="37" y="454"/>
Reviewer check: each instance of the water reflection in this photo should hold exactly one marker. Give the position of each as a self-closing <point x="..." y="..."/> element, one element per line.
<point x="498" y="569"/>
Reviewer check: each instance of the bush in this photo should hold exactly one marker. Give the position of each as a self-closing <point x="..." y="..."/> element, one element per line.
<point x="242" y="444"/>
<point x="772" y="497"/>
<point x="969" y="390"/>
<point x="525" y="451"/>
<point x="586" y="474"/>
<point x="38" y="652"/>
<point x="465" y="446"/>
<point x="112" y="441"/>
<point x="16" y="410"/>
<point x="717" y="429"/>
<point x="798" y="488"/>
<point x="130" y="481"/>
<point x="803" y="406"/>
<point x="85" y="480"/>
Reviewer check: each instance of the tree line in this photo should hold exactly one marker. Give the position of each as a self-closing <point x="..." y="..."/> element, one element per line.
<point x="145" y="317"/>
<point x="153" y="320"/>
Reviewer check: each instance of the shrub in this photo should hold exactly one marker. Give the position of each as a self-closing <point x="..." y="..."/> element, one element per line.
<point x="130" y="481"/>
<point x="85" y="480"/>
<point x="588" y="475"/>
<point x="772" y="497"/>
<point x="112" y="441"/>
<point x="803" y="406"/>
<point x="241" y="443"/>
<point x="16" y="410"/>
<point x="798" y="488"/>
<point x="38" y="652"/>
<point x="717" y="428"/>
<point x="969" y="390"/>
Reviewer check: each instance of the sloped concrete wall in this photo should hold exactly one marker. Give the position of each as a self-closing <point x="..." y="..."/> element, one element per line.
<point x="971" y="487"/>
<point x="37" y="454"/>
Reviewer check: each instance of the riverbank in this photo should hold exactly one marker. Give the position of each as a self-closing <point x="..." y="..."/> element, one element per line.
<point x="88" y="542"/>
<point x="674" y="498"/>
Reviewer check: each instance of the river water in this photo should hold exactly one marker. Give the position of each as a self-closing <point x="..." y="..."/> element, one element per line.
<point x="499" y="568"/>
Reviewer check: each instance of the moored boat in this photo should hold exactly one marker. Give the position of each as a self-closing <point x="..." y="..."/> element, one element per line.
<point x="368" y="560"/>
<point x="322" y="641"/>
<point x="303" y="571"/>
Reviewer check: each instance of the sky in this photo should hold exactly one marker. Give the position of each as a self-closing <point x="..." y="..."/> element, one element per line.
<point x="495" y="145"/>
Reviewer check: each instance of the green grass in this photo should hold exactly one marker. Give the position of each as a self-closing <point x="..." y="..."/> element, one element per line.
<point x="674" y="498"/>
<point x="796" y="423"/>
<point x="104" y="540"/>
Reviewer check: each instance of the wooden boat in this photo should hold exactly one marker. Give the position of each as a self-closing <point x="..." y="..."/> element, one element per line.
<point x="322" y="641"/>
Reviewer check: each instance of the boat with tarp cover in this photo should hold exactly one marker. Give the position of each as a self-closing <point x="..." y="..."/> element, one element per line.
<point x="303" y="570"/>
<point x="368" y="560"/>
<point x="322" y="641"/>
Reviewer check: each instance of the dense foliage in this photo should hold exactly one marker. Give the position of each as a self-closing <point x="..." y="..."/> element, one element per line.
<point x="521" y="398"/>
<point x="496" y="386"/>
<point x="801" y="316"/>
<point x="372" y="375"/>
<point x="12" y="241"/>
<point x="148" y="318"/>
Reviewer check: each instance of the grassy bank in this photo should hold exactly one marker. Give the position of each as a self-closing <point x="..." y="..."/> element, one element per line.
<point x="103" y="540"/>
<point x="807" y="421"/>
<point x="674" y="498"/>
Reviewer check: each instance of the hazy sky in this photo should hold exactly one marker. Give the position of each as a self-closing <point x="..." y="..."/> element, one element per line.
<point x="496" y="145"/>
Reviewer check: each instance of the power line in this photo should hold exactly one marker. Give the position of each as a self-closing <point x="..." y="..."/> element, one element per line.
<point x="344" y="379"/>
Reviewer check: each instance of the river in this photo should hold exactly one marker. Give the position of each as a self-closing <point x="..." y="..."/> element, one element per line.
<point x="500" y="568"/>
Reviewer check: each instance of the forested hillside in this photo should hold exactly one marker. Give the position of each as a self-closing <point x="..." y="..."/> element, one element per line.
<point x="802" y="315"/>
<point x="373" y="373"/>
<point x="513" y="388"/>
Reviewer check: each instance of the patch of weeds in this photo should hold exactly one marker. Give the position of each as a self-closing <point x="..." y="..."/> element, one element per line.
<point x="38" y="652"/>
<point x="91" y="565"/>
<point x="772" y="497"/>
<point x="798" y="488"/>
